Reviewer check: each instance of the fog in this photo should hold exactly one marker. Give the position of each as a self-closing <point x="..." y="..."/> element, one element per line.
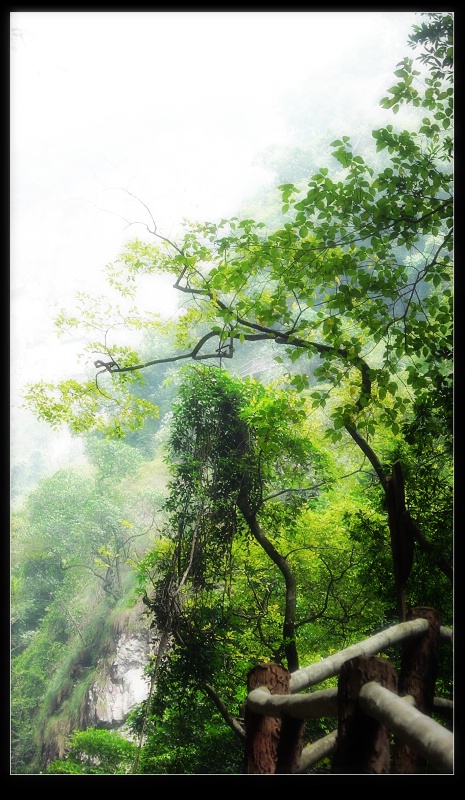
<point x="175" y="107"/>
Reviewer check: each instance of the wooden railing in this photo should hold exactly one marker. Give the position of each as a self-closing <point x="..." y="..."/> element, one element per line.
<point x="384" y="720"/>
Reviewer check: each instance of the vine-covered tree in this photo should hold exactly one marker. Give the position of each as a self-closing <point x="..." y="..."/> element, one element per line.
<point x="247" y="568"/>
<point x="235" y="449"/>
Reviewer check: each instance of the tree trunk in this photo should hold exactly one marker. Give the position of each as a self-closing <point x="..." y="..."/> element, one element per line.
<point x="290" y="745"/>
<point x="402" y="539"/>
<point x="290" y="646"/>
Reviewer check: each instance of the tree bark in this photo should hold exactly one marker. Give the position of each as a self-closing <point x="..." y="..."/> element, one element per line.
<point x="418" y="672"/>
<point x="290" y="646"/>
<point x="362" y="741"/>
<point x="262" y="733"/>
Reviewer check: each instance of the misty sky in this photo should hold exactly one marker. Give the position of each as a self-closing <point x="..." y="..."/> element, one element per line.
<point x="173" y="106"/>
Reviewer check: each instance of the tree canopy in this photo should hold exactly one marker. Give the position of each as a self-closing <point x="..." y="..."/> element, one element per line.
<point x="355" y="285"/>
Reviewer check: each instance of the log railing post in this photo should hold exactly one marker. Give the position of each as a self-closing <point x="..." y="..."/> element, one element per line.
<point x="290" y="745"/>
<point x="417" y="678"/>
<point x="362" y="742"/>
<point x="262" y="732"/>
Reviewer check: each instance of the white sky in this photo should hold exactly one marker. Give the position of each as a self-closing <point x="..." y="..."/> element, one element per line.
<point x="172" y="105"/>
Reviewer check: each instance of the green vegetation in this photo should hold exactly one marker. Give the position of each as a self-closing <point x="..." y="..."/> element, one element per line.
<point x="96" y="752"/>
<point x="264" y="536"/>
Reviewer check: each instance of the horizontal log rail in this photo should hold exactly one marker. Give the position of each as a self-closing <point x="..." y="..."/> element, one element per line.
<point x="329" y="667"/>
<point x="314" y="753"/>
<point x="419" y="731"/>
<point x="445" y="634"/>
<point x="306" y="706"/>
<point x="322" y="703"/>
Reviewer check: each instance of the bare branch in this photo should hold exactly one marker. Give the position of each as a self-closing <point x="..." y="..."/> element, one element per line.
<point x="288" y="491"/>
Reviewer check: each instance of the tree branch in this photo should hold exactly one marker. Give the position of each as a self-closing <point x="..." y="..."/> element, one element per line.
<point x="233" y="723"/>
<point x="427" y="547"/>
<point x="289" y="578"/>
<point x="289" y="491"/>
<point x="370" y="454"/>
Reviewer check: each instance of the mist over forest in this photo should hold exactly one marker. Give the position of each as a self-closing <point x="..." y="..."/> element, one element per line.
<point x="231" y="383"/>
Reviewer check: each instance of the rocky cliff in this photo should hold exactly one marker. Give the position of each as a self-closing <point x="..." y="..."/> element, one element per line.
<point x="121" y="684"/>
<point x="116" y="662"/>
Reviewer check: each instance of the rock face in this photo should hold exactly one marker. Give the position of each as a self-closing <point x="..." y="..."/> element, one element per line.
<point x="122" y="684"/>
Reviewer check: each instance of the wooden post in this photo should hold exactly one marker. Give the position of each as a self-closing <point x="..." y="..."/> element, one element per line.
<point x="290" y="745"/>
<point x="262" y="733"/>
<point x="362" y="742"/>
<point x="418" y="672"/>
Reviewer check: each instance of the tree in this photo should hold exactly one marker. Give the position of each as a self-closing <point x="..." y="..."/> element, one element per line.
<point x="234" y="447"/>
<point x="248" y="568"/>
<point x="353" y="287"/>
<point x="72" y="522"/>
<point x="357" y="285"/>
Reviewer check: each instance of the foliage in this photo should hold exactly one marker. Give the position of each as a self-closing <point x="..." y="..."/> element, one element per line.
<point x="229" y="594"/>
<point x="95" y="752"/>
<point x="184" y="735"/>
<point x="357" y="282"/>
<point x="52" y="676"/>
<point x="234" y="447"/>
<point x="73" y="538"/>
<point x="436" y="36"/>
<point x="30" y="674"/>
<point x="276" y="542"/>
<point x="46" y="672"/>
<point x="425" y="453"/>
<point x="114" y="461"/>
